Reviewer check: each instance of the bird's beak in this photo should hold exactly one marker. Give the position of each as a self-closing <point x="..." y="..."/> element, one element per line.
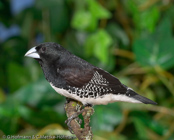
<point x="32" y="53"/>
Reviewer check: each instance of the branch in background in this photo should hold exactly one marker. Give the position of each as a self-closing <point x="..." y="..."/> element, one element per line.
<point x="72" y="107"/>
<point x="124" y="53"/>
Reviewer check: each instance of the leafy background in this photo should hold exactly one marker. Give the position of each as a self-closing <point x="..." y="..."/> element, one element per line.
<point x="132" y="39"/>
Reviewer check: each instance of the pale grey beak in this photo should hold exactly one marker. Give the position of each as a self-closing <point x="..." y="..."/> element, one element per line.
<point x="32" y="53"/>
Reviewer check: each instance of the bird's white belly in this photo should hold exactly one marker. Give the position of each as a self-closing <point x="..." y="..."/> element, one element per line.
<point x="105" y="99"/>
<point x="94" y="101"/>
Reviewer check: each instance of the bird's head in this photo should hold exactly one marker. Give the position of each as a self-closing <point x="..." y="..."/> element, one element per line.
<point x="46" y="52"/>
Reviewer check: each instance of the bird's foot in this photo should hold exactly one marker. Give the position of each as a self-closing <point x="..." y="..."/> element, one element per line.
<point x="72" y="117"/>
<point x="79" y="120"/>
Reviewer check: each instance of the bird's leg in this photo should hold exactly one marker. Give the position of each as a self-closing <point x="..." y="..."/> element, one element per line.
<point x="74" y="116"/>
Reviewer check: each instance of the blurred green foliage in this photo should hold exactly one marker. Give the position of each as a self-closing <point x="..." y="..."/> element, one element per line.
<point x="132" y="39"/>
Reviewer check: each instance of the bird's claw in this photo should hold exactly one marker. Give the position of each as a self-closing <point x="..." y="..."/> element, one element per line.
<point x="68" y="121"/>
<point x="74" y="116"/>
<point x="79" y="120"/>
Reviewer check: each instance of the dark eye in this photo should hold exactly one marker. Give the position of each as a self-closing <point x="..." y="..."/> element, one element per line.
<point x="43" y="49"/>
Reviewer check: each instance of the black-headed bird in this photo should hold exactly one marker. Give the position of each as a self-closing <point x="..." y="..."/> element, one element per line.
<point x="77" y="79"/>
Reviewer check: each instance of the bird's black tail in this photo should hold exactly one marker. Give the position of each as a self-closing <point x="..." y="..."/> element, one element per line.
<point x="140" y="98"/>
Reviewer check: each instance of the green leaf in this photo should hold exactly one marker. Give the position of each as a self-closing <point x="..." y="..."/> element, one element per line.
<point x="155" y="50"/>
<point x="132" y="6"/>
<point x="106" y="117"/>
<point x="97" y="10"/>
<point x="145" y="19"/>
<point x="164" y="29"/>
<point x="31" y="103"/>
<point x="37" y="94"/>
<point x="98" y="44"/>
<point x="151" y="16"/>
<point x="13" y="110"/>
<point x="118" y="34"/>
<point x="38" y="118"/>
<point x="87" y="19"/>
<point x="83" y="20"/>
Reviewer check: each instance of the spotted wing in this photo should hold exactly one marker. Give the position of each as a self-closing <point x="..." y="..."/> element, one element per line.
<point x="91" y="81"/>
<point x="106" y="83"/>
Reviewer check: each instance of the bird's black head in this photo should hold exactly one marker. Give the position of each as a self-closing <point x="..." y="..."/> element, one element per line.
<point x="46" y="52"/>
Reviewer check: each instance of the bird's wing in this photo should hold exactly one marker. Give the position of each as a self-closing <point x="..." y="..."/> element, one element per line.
<point x="97" y="83"/>
<point x="95" y="77"/>
<point x="77" y="76"/>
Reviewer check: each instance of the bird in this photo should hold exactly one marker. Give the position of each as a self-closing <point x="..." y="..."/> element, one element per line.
<point x="75" y="78"/>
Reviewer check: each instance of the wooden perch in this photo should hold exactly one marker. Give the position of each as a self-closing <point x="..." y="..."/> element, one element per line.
<point x="72" y="107"/>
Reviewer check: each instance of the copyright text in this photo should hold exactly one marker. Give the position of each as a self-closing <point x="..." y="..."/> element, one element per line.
<point x="38" y="137"/>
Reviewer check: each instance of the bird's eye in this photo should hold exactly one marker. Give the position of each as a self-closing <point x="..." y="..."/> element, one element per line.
<point x="43" y="49"/>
